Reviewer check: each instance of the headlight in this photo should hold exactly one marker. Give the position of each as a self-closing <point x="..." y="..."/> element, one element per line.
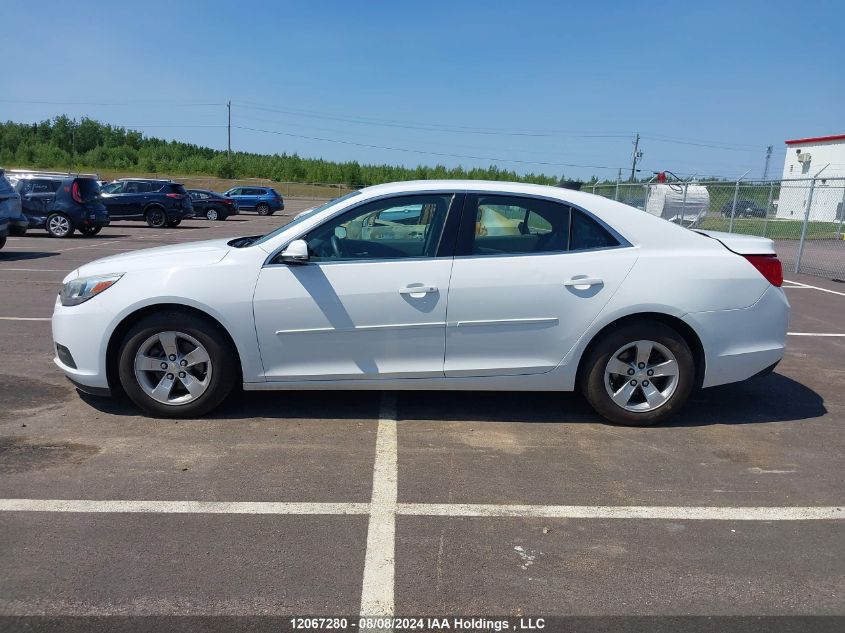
<point x="80" y="290"/>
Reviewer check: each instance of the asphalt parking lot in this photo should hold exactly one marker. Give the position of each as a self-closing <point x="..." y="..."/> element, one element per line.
<point x="472" y="504"/>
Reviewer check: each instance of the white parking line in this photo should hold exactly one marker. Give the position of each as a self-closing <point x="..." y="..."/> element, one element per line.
<point x="798" y="284"/>
<point x="180" y="507"/>
<point x="379" y="560"/>
<point x="812" y="334"/>
<point x="2" y="318"/>
<point x="674" y="513"/>
<point x="36" y="270"/>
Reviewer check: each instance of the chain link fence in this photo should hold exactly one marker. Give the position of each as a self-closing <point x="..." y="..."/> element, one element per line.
<point x="804" y="217"/>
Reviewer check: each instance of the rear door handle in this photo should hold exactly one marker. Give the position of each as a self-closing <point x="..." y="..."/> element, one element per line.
<point x="581" y="283"/>
<point x="417" y="289"/>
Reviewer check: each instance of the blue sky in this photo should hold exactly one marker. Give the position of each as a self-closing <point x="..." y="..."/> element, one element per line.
<point x="562" y="83"/>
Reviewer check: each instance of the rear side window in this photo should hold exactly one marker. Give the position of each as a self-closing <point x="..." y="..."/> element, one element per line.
<point x="589" y="234"/>
<point x="138" y="186"/>
<point x="37" y="185"/>
<point x="275" y="193"/>
<point x="511" y="225"/>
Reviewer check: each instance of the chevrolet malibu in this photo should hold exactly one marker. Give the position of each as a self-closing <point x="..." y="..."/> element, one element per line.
<point x="460" y="285"/>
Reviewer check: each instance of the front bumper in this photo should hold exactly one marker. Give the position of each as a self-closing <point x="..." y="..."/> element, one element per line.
<point x="739" y="344"/>
<point x="18" y="226"/>
<point x="79" y="329"/>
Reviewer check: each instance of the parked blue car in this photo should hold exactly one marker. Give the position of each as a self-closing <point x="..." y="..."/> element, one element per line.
<point x="265" y="200"/>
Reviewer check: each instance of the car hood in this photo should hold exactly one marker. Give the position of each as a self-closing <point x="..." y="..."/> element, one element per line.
<point x="159" y="258"/>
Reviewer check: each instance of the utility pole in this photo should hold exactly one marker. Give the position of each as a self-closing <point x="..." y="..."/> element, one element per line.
<point x="637" y="155"/>
<point x="229" y="129"/>
<point x="768" y="158"/>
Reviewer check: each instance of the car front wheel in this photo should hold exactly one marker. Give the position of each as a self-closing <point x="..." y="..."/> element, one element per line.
<point x="174" y="364"/>
<point x="638" y="375"/>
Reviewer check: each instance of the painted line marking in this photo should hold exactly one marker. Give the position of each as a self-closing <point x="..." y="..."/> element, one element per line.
<point x="676" y="513"/>
<point x="798" y="284"/>
<point x="377" y="591"/>
<point x="812" y="334"/>
<point x="180" y="507"/>
<point x="2" y="318"/>
<point x="378" y="566"/>
<point x="35" y="270"/>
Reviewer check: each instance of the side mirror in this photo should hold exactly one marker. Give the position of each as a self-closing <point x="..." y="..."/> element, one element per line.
<point x="296" y="253"/>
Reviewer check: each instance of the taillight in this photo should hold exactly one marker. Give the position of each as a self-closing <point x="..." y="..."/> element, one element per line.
<point x="74" y="192"/>
<point x="769" y="266"/>
<point x="177" y="196"/>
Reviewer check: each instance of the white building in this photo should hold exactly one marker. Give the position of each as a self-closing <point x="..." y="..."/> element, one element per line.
<point x="805" y="157"/>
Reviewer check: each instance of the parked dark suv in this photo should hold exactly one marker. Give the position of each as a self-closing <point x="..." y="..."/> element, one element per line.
<point x="10" y="207"/>
<point x="60" y="203"/>
<point x="158" y="202"/>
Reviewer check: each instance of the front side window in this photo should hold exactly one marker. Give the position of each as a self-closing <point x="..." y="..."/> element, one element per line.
<point x="406" y="226"/>
<point x="505" y="225"/>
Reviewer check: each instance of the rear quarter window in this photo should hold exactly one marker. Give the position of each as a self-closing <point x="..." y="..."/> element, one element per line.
<point x="586" y="233"/>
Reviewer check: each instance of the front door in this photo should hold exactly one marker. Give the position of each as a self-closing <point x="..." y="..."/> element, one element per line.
<point x="370" y="303"/>
<point x="515" y="302"/>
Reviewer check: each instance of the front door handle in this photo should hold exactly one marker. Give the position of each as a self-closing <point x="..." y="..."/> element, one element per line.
<point x="583" y="282"/>
<point x="417" y="290"/>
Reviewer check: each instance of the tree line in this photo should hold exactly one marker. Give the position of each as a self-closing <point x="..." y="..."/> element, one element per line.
<point x="65" y="143"/>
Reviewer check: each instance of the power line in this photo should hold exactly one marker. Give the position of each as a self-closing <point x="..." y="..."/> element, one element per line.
<point x="418" y="151"/>
<point x="428" y="127"/>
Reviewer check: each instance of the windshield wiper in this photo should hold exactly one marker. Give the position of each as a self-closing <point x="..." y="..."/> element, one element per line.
<point x="241" y="242"/>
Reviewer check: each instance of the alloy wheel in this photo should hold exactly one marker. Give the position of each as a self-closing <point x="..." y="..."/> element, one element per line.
<point x="173" y="368"/>
<point x="58" y="225"/>
<point x="641" y="376"/>
<point x="211" y="214"/>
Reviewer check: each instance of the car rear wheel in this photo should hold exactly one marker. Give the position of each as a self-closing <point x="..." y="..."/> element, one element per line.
<point x="638" y="375"/>
<point x="90" y="231"/>
<point x="211" y="214"/>
<point x="175" y="364"/>
<point x="263" y="208"/>
<point x="59" y="225"/>
<point x="156" y="218"/>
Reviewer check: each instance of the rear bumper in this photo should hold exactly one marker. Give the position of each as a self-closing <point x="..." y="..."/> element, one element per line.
<point x="739" y="344"/>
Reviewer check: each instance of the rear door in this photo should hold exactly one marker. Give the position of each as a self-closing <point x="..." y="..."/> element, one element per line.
<point x="515" y="302"/>
<point x="365" y="306"/>
<point x="38" y="196"/>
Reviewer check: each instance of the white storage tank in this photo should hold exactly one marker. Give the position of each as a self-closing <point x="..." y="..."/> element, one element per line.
<point x="667" y="201"/>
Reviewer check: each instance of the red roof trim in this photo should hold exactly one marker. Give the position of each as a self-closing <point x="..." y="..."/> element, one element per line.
<point x="816" y="139"/>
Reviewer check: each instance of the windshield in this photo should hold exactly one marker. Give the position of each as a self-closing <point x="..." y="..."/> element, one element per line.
<point x="302" y="217"/>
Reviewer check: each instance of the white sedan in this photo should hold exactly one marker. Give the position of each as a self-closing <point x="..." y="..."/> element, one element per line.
<point x="432" y="285"/>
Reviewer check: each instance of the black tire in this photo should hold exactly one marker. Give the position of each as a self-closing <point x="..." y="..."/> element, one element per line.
<point x="215" y="215"/>
<point x="174" y="223"/>
<point x="224" y="373"/>
<point x="262" y="208"/>
<point x="591" y="379"/>
<point x="59" y="225"/>
<point x="90" y="231"/>
<point x="156" y="218"/>
<point x="2" y="241"/>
